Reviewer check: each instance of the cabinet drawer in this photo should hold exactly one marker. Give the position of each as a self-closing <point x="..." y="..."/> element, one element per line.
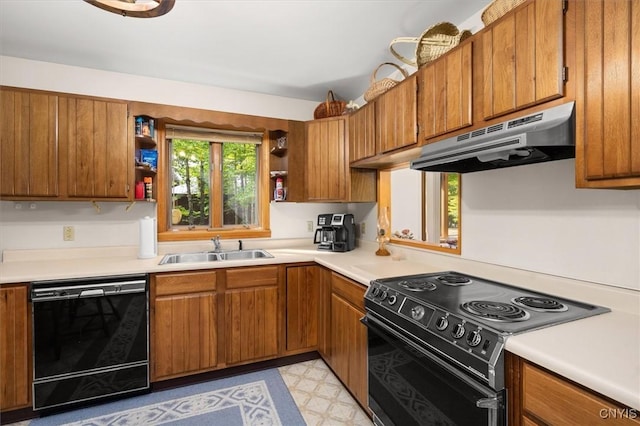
<point x="348" y="290"/>
<point x="188" y="282"/>
<point x="252" y="277"/>
<point x="556" y="401"/>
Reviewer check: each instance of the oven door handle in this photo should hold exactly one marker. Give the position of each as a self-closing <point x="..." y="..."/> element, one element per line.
<point x="95" y="292"/>
<point x="491" y="394"/>
<point x="488" y="403"/>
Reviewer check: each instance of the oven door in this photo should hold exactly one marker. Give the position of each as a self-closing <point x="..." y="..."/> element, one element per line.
<point x="410" y="386"/>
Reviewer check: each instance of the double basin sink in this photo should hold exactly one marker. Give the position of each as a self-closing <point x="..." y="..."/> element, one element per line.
<point x="215" y="256"/>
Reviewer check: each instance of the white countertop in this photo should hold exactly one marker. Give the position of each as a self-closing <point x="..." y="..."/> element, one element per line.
<point x="600" y="352"/>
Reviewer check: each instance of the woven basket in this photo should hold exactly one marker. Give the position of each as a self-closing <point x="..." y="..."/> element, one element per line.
<point x="377" y="88"/>
<point x="433" y="43"/>
<point x="497" y="9"/>
<point x="330" y="107"/>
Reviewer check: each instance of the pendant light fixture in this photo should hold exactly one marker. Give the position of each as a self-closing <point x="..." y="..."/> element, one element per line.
<point x="135" y="8"/>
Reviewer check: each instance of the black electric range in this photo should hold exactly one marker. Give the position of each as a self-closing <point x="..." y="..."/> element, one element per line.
<point x="465" y="319"/>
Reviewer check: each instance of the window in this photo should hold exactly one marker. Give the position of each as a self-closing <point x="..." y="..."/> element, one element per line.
<point x="424" y="208"/>
<point x="213" y="183"/>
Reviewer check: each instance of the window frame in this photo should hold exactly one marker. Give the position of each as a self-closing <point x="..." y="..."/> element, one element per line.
<point x="384" y="201"/>
<point x="163" y="180"/>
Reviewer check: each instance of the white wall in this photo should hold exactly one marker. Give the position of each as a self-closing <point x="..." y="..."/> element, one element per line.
<point x="528" y="217"/>
<point x="117" y="224"/>
<point x="114" y="225"/>
<point x="532" y="217"/>
<point x="63" y="78"/>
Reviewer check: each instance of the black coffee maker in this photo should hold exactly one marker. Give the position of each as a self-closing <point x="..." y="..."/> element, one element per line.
<point x="335" y="232"/>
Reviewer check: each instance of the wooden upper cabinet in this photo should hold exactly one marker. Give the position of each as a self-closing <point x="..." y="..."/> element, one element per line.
<point x="29" y="144"/>
<point x="523" y="58"/>
<point x="97" y="149"/>
<point x="608" y="125"/>
<point x="396" y="119"/>
<point x="326" y="160"/>
<point x="445" y="93"/>
<point x="362" y="137"/>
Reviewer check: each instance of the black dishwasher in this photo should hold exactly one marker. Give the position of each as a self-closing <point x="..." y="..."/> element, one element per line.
<point x="90" y="339"/>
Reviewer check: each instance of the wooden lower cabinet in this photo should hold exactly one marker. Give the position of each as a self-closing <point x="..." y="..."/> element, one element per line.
<point x="252" y="314"/>
<point x="15" y="369"/>
<point x="540" y="397"/>
<point x="348" y="351"/>
<point x="183" y="324"/>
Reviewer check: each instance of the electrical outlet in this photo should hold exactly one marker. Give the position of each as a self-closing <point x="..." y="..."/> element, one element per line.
<point x="68" y="233"/>
<point x="309" y="226"/>
<point x="363" y="228"/>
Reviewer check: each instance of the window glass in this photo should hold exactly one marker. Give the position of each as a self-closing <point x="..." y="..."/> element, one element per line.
<point x="214" y="185"/>
<point x="424" y="208"/>
<point x="190" y="183"/>
<point x="239" y="182"/>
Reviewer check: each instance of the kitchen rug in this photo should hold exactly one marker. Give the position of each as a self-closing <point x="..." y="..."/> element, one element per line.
<point x="258" y="398"/>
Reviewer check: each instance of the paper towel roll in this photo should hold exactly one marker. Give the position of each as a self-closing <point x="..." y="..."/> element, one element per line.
<point x="148" y="238"/>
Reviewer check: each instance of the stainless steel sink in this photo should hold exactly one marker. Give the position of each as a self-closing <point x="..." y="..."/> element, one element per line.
<point x="214" y="256"/>
<point x="203" y="256"/>
<point x="243" y="254"/>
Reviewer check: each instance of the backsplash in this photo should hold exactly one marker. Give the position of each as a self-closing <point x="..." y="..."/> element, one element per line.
<point x="40" y="224"/>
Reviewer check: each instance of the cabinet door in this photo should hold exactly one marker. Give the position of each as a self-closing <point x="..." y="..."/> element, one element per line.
<point x="14" y="348"/>
<point x="326" y="160"/>
<point x="444" y="93"/>
<point x="540" y="397"/>
<point x="362" y="136"/>
<point x="251" y="314"/>
<point x="251" y="324"/>
<point x="608" y="135"/>
<point x="396" y="117"/>
<point x="349" y="347"/>
<point x="348" y="356"/>
<point x="97" y="149"/>
<point x="29" y="144"/>
<point x="183" y="324"/>
<point x="324" y="326"/>
<point x="523" y="58"/>
<point x="303" y="289"/>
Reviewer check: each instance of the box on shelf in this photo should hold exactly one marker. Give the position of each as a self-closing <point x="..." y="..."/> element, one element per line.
<point x="149" y="157"/>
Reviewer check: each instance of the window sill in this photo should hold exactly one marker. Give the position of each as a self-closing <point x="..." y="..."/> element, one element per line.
<point x="201" y="234"/>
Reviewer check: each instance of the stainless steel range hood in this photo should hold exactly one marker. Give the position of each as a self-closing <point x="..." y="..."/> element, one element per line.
<point x="544" y="136"/>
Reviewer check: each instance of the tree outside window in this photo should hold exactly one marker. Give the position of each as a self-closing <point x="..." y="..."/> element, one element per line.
<point x="214" y="184"/>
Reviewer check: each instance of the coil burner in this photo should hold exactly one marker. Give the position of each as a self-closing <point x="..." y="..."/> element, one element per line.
<point x="540" y="304"/>
<point x="495" y="311"/>
<point x="454" y="280"/>
<point x="417" y="285"/>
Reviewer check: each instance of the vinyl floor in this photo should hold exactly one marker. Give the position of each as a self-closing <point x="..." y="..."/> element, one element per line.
<point x="320" y="396"/>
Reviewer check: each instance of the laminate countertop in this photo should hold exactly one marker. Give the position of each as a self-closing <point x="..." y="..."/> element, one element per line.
<point x="601" y="352"/>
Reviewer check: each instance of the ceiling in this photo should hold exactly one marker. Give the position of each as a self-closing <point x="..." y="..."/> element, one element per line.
<point x="297" y="49"/>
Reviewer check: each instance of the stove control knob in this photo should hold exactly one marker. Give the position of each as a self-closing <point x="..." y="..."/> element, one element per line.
<point x="458" y="331"/>
<point x="442" y="323"/>
<point x="375" y="291"/>
<point x="392" y="299"/>
<point x="417" y="312"/>
<point x="383" y="295"/>
<point x="474" y="338"/>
